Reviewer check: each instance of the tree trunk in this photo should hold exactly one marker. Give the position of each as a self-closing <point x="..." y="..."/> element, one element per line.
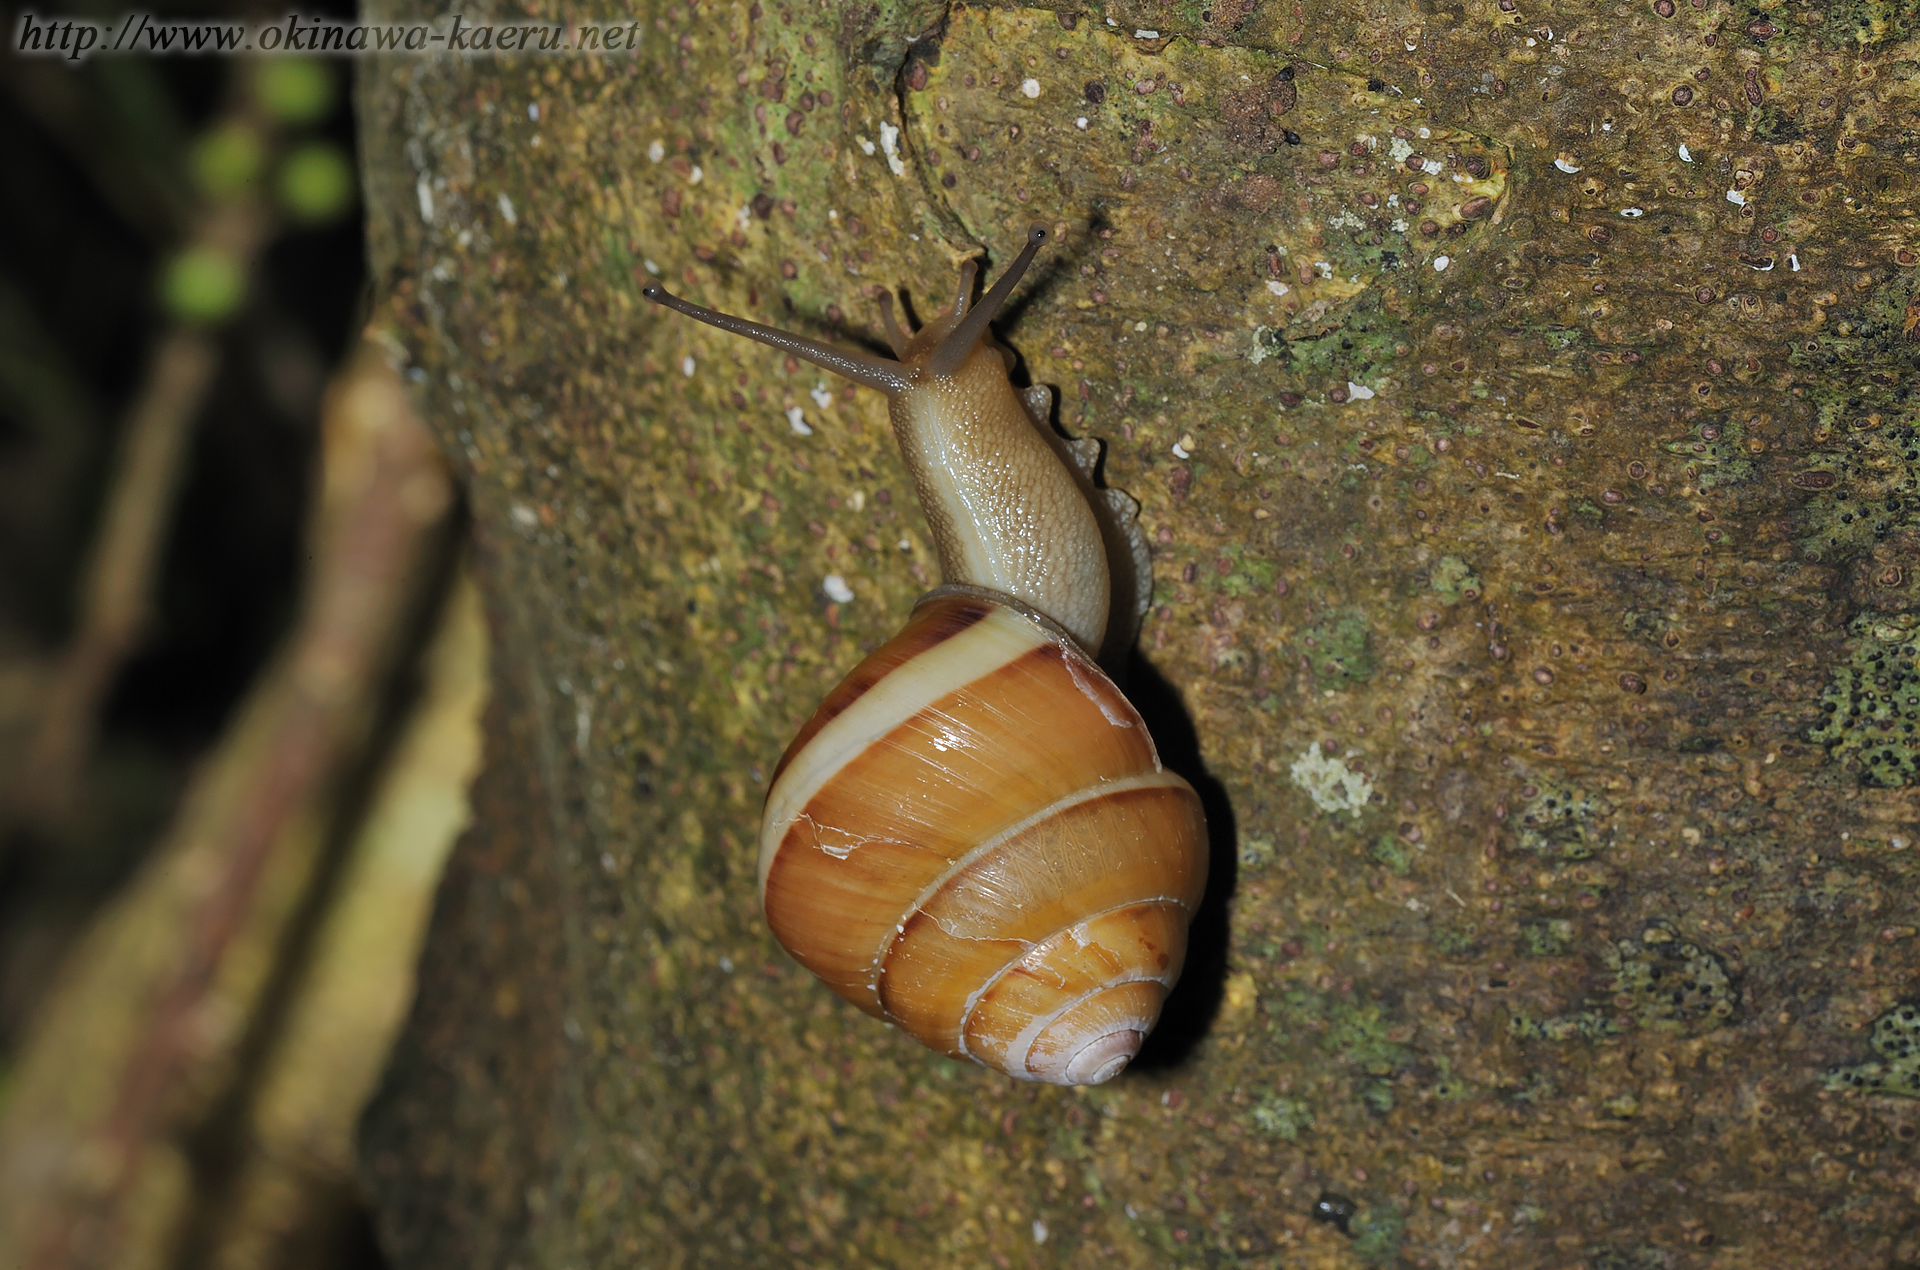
<point x="1519" y="403"/>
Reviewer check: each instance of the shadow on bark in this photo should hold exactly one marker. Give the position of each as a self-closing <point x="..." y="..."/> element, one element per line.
<point x="1191" y="1007"/>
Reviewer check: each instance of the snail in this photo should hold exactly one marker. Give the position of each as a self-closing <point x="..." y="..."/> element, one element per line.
<point x="973" y="837"/>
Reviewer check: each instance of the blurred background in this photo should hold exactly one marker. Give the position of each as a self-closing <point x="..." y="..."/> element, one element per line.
<point x="240" y="666"/>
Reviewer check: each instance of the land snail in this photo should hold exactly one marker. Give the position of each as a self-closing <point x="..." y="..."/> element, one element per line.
<point x="973" y="837"/>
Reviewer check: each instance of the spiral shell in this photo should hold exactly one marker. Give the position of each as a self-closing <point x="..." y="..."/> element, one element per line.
<point x="973" y="839"/>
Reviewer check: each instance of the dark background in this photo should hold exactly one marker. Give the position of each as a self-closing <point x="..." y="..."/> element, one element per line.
<point x="101" y="191"/>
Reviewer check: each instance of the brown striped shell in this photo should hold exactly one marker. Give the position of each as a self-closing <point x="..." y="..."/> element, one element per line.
<point x="973" y="838"/>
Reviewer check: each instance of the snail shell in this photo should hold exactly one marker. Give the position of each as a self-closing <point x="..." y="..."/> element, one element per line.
<point x="973" y="837"/>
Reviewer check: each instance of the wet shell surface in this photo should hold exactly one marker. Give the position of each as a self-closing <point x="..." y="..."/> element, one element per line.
<point x="974" y="839"/>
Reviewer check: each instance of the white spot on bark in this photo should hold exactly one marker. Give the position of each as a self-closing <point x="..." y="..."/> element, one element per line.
<point x="1358" y="392"/>
<point x="798" y="420"/>
<point x="1440" y="263"/>
<point x="1030" y="87"/>
<point x="506" y="210"/>
<point x="656" y="152"/>
<point x="890" y="142"/>
<point x="423" y="190"/>
<point x="837" y="589"/>
<point x="1329" y="782"/>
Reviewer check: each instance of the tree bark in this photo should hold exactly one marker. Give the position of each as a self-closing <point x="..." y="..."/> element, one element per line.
<point x="1519" y="403"/>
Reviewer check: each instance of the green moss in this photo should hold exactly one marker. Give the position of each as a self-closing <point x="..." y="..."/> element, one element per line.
<point x="1447" y="1085"/>
<point x="1646" y="625"/>
<point x="1833" y="360"/>
<point x="1896" y="1039"/>
<point x="1248" y="574"/>
<point x="1538" y="1090"/>
<point x="1378" y="1233"/>
<point x="1560" y="822"/>
<point x="1867" y="487"/>
<point x="1548" y="939"/>
<point x="1360" y="1036"/>
<point x="1670" y="983"/>
<point x="1864" y="22"/>
<point x="1581" y="1025"/>
<point x="1390" y="852"/>
<point x="1866" y="480"/>
<point x="1715" y="454"/>
<point x="1256" y="852"/>
<point x="1359" y="1033"/>
<point x="1282" y="1117"/>
<point x="1872" y="702"/>
<point x="1454" y="580"/>
<point x="1774" y="124"/>
<point x="1337" y="648"/>
<point x="1356" y="350"/>
<point x="1621" y="1106"/>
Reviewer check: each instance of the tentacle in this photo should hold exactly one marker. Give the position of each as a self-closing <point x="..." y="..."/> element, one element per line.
<point x="958" y="344"/>
<point x="862" y="368"/>
<point x="968" y="272"/>
<point x="896" y="338"/>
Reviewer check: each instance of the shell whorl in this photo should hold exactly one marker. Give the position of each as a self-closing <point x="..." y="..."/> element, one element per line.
<point x="974" y="839"/>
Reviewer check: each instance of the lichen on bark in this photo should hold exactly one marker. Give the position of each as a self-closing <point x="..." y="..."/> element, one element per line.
<point x="1551" y="365"/>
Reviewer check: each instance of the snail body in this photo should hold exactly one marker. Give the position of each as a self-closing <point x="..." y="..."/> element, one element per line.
<point x="973" y="836"/>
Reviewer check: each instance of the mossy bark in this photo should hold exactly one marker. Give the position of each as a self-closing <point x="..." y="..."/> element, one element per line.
<point x="1519" y="399"/>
